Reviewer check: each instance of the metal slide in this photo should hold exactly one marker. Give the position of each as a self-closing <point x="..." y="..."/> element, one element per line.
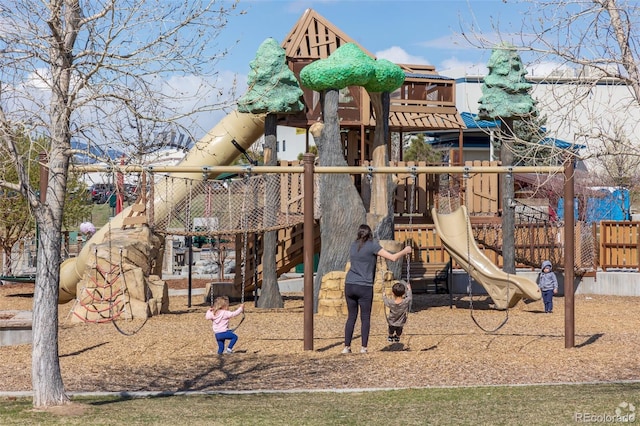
<point x="216" y="148"/>
<point x="454" y="229"/>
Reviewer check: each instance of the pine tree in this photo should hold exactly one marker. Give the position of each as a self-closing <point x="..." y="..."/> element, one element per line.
<point x="506" y="97"/>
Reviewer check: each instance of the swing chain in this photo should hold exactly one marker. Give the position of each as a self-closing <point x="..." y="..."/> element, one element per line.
<point x="245" y="236"/>
<point x="470" y="284"/>
<point x="412" y="196"/>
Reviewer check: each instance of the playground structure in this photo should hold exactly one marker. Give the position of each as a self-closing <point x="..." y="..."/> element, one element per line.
<point x="495" y="280"/>
<point x="101" y="260"/>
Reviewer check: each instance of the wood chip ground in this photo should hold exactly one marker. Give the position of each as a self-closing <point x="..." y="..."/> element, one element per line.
<point x="442" y="346"/>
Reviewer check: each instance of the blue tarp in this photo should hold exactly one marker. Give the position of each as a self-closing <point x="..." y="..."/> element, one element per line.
<point x="613" y="204"/>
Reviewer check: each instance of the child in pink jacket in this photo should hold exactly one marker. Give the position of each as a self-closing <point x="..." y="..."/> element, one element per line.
<point x="220" y="314"/>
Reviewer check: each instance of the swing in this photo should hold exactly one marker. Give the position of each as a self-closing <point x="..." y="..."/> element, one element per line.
<point x="470" y="287"/>
<point x="412" y="197"/>
<point x="243" y="255"/>
<point x="412" y="186"/>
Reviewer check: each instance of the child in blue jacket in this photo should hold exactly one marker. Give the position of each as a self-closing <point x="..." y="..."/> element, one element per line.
<point x="548" y="284"/>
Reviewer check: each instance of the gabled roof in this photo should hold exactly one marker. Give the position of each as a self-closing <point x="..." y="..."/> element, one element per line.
<point x="315" y="37"/>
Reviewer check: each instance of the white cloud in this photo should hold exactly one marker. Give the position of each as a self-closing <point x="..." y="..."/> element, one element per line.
<point x="455" y="68"/>
<point x="398" y="55"/>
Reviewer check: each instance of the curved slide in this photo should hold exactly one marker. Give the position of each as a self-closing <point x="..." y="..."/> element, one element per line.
<point x="454" y="230"/>
<point x="216" y="148"/>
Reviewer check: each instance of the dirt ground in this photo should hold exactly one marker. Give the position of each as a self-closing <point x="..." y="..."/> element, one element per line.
<point x="442" y="346"/>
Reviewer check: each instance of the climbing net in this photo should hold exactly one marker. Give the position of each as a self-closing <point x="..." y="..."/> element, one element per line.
<point x="197" y="207"/>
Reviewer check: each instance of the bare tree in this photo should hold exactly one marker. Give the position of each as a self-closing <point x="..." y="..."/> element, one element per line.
<point x="585" y="57"/>
<point x="73" y="70"/>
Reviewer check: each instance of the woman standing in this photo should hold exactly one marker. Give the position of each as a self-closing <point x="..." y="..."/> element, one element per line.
<point x="358" y="288"/>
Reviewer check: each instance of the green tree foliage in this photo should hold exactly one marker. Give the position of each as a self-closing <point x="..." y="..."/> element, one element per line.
<point x="273" y="88"/>
<point x="420" y="150"/>
<point x="78" y="204"/>
<point x="312" y="149"/>
<point x="16" y="217"/>
<point x="388" y="77"/>
<point x="505" y="92"/>
<point x="348" y="65"/>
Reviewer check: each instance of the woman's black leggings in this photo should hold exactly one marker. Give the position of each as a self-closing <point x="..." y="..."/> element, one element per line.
<point x="358" y="296"/>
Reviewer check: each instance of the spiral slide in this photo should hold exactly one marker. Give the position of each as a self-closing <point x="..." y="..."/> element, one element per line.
<point x="454" y="230"/>
<point x="219" y="147"/>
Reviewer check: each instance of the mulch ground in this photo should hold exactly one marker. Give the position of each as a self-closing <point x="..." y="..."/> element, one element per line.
<point x="442" y="346"/>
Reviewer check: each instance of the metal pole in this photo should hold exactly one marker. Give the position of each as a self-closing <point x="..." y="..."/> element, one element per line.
<point x="307" y="244"/>
<point x="213" y="171"/>
<point x="569" y="256"/>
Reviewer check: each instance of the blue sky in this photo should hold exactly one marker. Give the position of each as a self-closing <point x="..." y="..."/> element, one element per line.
<point x="404" y="31"/>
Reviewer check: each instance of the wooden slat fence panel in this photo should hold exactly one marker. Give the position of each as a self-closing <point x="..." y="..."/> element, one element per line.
<point x="619" y="245"/>
<point x="482" y="191"/>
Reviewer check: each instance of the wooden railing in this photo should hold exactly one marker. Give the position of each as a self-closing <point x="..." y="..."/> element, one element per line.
<point x="289" y="254"/>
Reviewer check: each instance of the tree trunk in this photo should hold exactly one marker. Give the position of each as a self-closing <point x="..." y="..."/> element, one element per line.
<point x="380" y="217"/>
<point x="46" y="377"/>
<point x="270" y="296"/>
<point x="508" y="210"/>
<point x="6" y="250"/>
<point x="342" y="208"/>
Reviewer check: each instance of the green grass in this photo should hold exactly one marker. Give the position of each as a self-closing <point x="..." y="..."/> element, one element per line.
<point x="100" y="214"/>
<point x="501" y="405"/>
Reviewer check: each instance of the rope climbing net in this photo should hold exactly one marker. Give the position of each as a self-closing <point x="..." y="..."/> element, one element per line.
<point x="249" y="203"/>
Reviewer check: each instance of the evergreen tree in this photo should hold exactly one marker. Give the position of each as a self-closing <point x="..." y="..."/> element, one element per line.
<point x="273" y="89"/>
<point x="506" y="97"/>
<point x="420" y="150"/>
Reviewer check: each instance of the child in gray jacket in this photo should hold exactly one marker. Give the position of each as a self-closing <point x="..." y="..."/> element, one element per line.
<point x="548" y="284"/>
<point x="398" y="309"/>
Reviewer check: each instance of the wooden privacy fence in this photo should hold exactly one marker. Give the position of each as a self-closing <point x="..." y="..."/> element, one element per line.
<point x="619" y="245"/>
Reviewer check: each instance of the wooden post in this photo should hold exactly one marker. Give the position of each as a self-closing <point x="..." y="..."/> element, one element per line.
<point x="307" y="238"/>
<point x="569" y="256"/>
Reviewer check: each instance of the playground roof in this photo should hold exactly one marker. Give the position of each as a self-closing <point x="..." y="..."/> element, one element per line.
<point x="314" y="37"/>
<point x="471" y="121"/>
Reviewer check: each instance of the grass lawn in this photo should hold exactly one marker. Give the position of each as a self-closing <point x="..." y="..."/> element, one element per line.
<point x="100" y="214"/>
<point x="500" y="405"/>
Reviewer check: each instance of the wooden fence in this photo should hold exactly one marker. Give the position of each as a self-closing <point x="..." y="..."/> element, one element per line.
<point x="534" y="243"/>
<point x="619" y="245"/>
